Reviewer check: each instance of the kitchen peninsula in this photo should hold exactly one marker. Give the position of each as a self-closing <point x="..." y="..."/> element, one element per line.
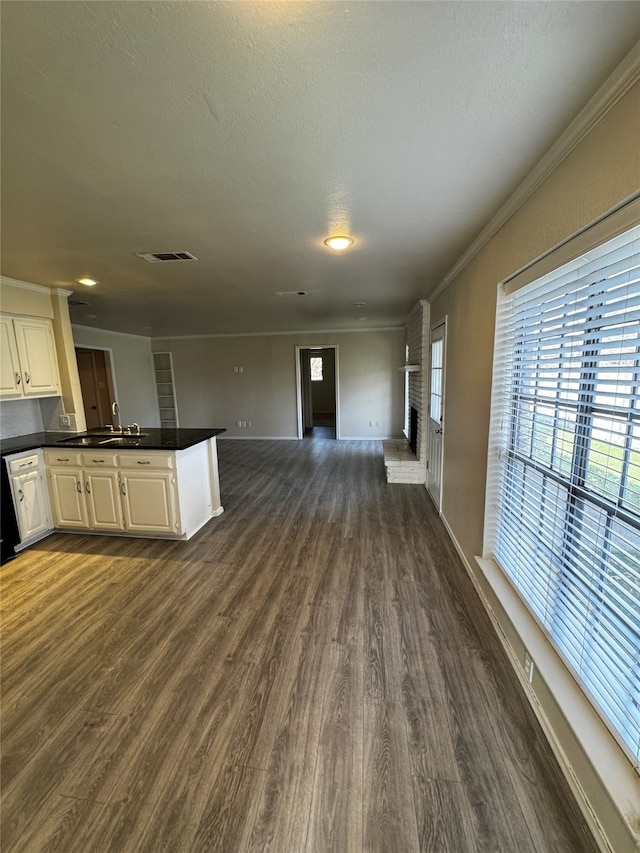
<point x="160" y="483"/>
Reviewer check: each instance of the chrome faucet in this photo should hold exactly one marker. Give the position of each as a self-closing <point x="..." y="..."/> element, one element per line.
<point x="115" y="411"/>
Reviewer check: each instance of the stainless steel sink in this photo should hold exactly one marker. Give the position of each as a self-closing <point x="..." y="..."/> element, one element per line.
<point x="124" y="440"/>
<point x="102" y="439"/>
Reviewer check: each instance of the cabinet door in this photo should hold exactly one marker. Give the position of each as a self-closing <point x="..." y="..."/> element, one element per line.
<point x="149" y="501"/>
<point x="67" y="498"/>
<point x="10" y="375"/>
<point x="102" y="491"/>
<point x="37" y="354"/>
<point x="31" y="503"/>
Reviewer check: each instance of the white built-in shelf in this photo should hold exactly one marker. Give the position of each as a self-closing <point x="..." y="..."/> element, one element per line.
<point x="163" y="366"/>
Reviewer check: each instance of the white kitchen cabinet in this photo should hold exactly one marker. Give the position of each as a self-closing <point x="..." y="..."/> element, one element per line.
<point x="67" y="498"/>
<point x="30" y="497"/>
<point x="149" y="492"/>
<point x="149" y="501"/>
<point x="102" y="494"/>
<point x="106" y="491"/>
<point x="28" y="365"/>
<point x="85" y="490"/>
<point x="138" y="492"/>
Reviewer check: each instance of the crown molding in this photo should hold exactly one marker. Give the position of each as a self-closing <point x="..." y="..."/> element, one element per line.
<point x="82" y="328"/>
<point x="607" y="96"/>
<point x="25" y="285"/>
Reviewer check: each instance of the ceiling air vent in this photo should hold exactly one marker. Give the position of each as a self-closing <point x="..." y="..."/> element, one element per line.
<point x="76" y="302"/>
<point x="165" y="257"/>
<point x="283" y="293"/>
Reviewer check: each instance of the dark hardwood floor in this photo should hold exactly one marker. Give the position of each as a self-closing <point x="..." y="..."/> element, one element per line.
<point x="311" y="673"/>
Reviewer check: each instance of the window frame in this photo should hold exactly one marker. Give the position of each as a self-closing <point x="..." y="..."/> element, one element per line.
<point x="579" y="493"/>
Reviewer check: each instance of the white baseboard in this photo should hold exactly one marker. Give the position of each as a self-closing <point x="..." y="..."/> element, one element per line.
<point x="226" y="436"/>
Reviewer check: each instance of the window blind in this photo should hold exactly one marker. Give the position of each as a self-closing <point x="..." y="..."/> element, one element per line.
<point x="567" y="480"/>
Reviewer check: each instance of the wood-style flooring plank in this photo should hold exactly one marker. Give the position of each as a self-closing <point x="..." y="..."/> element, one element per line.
<point x="313" y="671"/>
<point x="389" y="816"/>
<point x="336" y="810"/>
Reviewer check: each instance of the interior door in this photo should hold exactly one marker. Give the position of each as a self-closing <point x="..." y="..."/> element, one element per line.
<point x="436" y="413"/>
<point x="95" y="382"/>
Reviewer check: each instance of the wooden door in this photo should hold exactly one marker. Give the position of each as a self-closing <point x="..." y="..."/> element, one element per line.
<point x="96" y="385"/>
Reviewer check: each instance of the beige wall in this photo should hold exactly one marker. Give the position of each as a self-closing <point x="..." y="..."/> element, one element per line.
<point x="601" y="172"/>
<point x="210" y="393"/>
<point x="133" y="371"/>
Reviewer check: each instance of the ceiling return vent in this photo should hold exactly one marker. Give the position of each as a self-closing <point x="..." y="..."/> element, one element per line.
<point x="165" y="257"/>
<point x="285" y="293"/>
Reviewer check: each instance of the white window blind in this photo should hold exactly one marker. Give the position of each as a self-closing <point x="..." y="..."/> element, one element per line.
<point x="567" y="526"/>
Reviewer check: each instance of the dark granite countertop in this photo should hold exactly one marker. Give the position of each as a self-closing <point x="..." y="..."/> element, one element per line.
<point x="151" y="439"/>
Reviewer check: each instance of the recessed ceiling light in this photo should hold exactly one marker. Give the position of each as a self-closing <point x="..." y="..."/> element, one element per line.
<point x="339" y="242"/>
<point x="358" y="304"/>
<point x="88" y="282"/>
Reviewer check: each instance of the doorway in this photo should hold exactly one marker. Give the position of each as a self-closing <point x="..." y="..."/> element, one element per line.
<point x="436" y="411"/>
<point x="317" y="392"/>
<point x="96" y="384"/>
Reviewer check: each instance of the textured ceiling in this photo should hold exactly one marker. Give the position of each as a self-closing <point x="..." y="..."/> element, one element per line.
<point x="245" y="133"/>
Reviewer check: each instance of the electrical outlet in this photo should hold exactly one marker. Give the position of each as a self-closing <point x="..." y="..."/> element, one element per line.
<point x="528" y="666"/>
<point x="64" y="421"/>
<point x="377" y="423"/>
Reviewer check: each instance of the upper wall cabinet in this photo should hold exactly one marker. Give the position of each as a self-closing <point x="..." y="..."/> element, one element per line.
<point x="28" y="363"/>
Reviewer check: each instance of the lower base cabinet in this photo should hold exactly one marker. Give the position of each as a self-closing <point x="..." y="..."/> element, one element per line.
<point x="30" y="498"/>
<point x="149" y="501"/>
<point x="84" y="495"/>
<point x="140" y="493"/>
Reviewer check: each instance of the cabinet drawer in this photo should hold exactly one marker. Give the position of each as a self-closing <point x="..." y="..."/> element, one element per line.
<point x="62" y="457"/>
<point x="150" y="459"/>
<point x="100" y="459"/>
<point x="23" y="464"/>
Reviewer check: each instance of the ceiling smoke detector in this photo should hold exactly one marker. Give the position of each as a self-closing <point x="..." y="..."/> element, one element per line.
<point x="165" y="257"/>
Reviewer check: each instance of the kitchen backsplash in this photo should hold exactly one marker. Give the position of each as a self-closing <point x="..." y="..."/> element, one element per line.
<point x="20" y="417"/>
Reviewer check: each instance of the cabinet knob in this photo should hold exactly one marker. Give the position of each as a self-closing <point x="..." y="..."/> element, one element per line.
<point x="27" y="377"/>
<point x="87" y="488"/>
<point x="21" y="493"/>
<point x="123" y="490"/>
<point x="18" y="379"/>
<point x="79" y="486"/>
